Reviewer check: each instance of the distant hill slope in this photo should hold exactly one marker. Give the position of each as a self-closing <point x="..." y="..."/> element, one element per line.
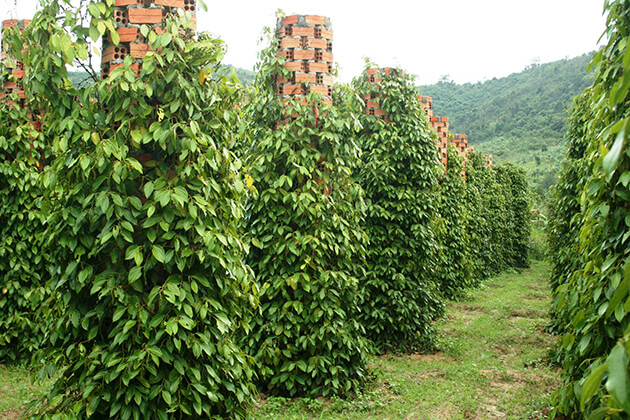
<point x="521" y="117"/>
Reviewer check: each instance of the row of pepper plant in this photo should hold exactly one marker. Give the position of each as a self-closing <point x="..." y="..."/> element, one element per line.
<point x="174" y="243"/>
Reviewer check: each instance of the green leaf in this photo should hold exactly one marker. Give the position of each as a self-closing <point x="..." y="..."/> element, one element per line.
<point x="609" y="164"/>
<point x="618" y="383"/>
<point x="148" y="190"/>
<point x="158" y="253"/>
<point x="134" y="274"/>
<point x="592" y="384"/>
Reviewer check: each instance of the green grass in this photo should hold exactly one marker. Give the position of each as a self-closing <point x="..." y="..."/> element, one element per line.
<point x="491" y="365"/>
<point x="16" y="390"/>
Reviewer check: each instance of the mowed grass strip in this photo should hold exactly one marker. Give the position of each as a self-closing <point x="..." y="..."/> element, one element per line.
<point x="491" y="365"/>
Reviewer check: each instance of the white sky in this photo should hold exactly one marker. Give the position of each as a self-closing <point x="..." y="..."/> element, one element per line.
<point x="470" y="40"/>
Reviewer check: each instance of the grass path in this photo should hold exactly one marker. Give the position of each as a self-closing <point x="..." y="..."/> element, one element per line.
<point x="491" y="365"/>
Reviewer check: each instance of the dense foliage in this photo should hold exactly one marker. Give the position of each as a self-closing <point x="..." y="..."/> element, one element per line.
<point x="307" y="237"/>
<point x="23" y="259"/>
<point x="456" y="271"/>
<point x="488" y="226"/>
<point x="399" y="173"/>
<point x="146" y="203"/>
<point x="519" y="118"/>
<point x="591" y="279"/>
<point x="162" y="277"/>
<point x="515" y="190"/>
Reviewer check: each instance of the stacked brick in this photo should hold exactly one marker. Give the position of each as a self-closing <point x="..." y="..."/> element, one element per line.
<point x="306" y="43"/>
<point x="460" y="141"/>
<point x="129" y="16"/>
<point x="375" y="76"/>
<point x="441" y="126"/>
<point x="426" y="103"/>
<point x="488" y="158"/>
<point x="13" y="66"/>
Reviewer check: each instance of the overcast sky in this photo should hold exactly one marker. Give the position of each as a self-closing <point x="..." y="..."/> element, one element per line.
<point x="470" y="40"/>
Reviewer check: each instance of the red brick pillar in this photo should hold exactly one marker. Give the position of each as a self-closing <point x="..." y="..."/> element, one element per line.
<point x="306" y="44"/>
<point x="426" y="103"/>
<point x="488" y="160"/>
<point x="129" y="16"/>
<point x="375" y="76"/>
<point x="13" y="66"/>
<point x="441" y="126"/>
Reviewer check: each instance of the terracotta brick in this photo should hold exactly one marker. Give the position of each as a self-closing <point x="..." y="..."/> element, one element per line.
<point x="324" y="56"/>
<point x="121" y="17"/>
<point x="145" y="15"/>
<point x="290" y="20"/>
<point x="303" y="54"/>
<point x="292" y="89"/>
<point x="324" y="90"/>
<point x="380" y="112"/>
<point x="318" y="43"/>
<point x="7" y="93"/>
<point x="305" y="78"/>
<point x="372" y="104"/>
<point x="281" y="80"/>
<point x="127" y="2"/>
<point x="315" y="20"/>
<point x="18" y="74"/>
<point x="139" y="50"/>
<point x="318" y="67"/>
<point x="295" y="66"/>
<point x="302" y="31"/>
<point x="170" y="3"/>
<point x="128" y="34"/>
<point x="13" y="85"/>
<point x="190" y="6"/>
<point x="113" y="52"/>
<point x="288" y="54"/>
<point x="290" y="43"/>
<point x="326" y="34"/>
<point x="327" y="80"/>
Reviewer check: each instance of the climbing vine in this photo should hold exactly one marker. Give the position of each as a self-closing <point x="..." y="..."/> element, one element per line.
<point x="455" y="269"/>
<point x="591" y="289"/>
<point x="305" y="225"/>
<point x="146" y="203"/>
<point x="399" y="173"/>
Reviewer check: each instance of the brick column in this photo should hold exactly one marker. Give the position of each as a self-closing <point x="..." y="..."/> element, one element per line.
<point x="129" y="16"/>
<point x="426" y="103"/>
<point x="488" y="158"/>
<point x="375" y="76"/>
<point x="306" y="44"/>
<point x="13" y="66"/>
<point x="441" y="126"/>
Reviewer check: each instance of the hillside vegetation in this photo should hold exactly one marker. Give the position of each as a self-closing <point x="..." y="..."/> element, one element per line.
<point x="519" y="118"/>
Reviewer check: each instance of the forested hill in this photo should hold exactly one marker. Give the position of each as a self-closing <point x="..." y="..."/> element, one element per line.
<point x="521" y="117"/>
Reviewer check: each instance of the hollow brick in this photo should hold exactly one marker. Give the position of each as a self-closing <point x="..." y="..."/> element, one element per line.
<point x="315" y="20"/>
<point x="145" y="15"/>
